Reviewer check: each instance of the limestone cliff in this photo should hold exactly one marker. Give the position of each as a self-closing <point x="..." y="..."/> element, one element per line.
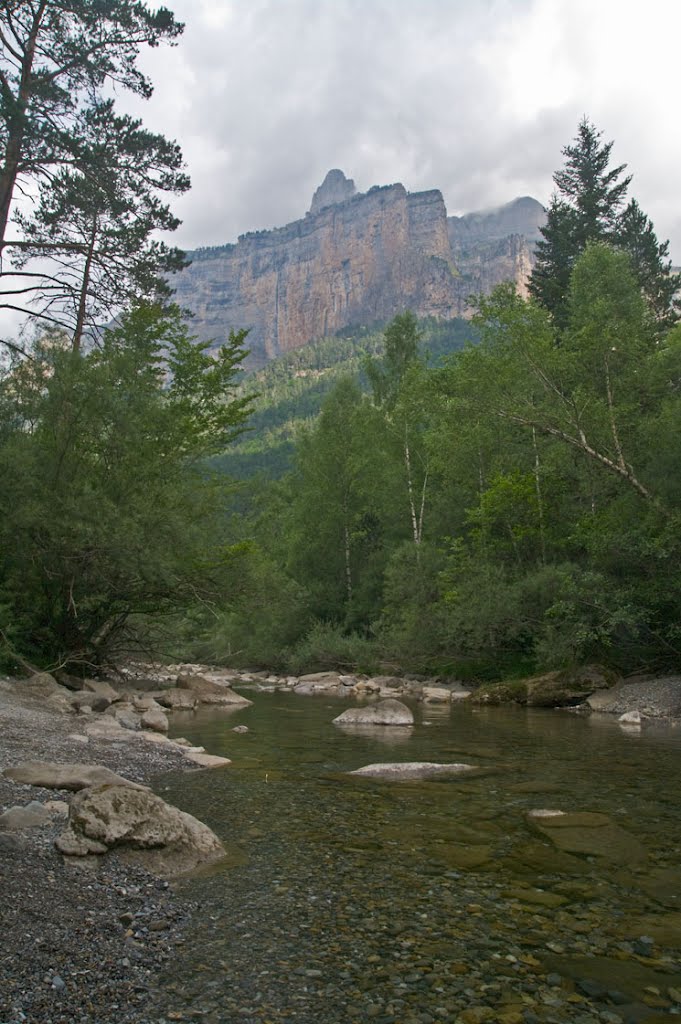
<point x="353" y="259"/>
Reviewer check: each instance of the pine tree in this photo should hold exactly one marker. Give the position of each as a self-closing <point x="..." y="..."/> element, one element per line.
<point x="587" y="207"/>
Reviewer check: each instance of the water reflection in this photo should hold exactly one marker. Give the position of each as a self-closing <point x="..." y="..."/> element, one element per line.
<point x="390" y="735"/>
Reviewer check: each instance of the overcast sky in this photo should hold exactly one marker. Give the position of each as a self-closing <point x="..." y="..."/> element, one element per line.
<point x="474" y="97"/>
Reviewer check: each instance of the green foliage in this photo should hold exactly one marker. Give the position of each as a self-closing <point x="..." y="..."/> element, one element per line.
<point x="107" y="511"/>
<point x="289" y="391"/>
<point x="89" y="179"/>
<point x="327" y="647"/>
<point x="547" y="460"/>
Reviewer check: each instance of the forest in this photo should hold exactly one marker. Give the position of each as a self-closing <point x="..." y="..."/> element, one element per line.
<point x="508" y="507"/>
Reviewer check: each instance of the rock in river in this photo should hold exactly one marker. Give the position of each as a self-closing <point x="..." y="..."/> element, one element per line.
<point x="404" y="770"/>
<point x="209" y="692"/>
<point x="385" y="712"/>
<point x="588" y="834"/>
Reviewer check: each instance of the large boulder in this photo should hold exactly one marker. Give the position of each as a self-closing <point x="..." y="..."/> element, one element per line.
<point x="41" y="685"/>
<point x="318" y="682"/>
<point x="384" y="712"/>
<point x="73" y="777"/>
<point x="209" y="692"/>
<point x="140" y="826"/>
<point x="565" y="688"/>
<point x="176" y="699"/>
<point x="409" y="770"/>
<point x="101" y="688"/>
<point x="155" y="720"/>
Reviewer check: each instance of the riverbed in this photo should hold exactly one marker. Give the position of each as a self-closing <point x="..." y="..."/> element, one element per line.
<point x="346" y="899"/>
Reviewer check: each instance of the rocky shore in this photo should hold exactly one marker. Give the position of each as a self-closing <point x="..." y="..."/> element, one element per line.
<point x="83" y="938"/>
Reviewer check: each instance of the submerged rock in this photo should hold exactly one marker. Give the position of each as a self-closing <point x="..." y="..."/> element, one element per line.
<point x="140" y="825"/>
<point x="404" y="770"/>
<point x="385" y="712"/>
<point x="588" y="834"/>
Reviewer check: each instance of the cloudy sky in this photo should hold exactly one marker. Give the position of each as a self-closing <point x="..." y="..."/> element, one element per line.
<point x="474" y="97"/>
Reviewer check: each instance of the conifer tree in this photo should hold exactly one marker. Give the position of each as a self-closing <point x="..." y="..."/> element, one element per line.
<point x="588" y="207"/>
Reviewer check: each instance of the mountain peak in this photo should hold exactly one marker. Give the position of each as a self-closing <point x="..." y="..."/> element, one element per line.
<point x="335" y="188"/>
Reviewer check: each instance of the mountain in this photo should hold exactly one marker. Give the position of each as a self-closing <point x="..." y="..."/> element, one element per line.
<point x="355" y="258"/>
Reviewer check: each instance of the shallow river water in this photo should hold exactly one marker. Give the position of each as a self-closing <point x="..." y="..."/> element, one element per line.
<point x="348" y="900"/>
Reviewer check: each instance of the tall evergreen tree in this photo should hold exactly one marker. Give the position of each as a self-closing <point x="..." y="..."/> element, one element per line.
<point x="59" y="60"/>
<point x="588" y="207"/>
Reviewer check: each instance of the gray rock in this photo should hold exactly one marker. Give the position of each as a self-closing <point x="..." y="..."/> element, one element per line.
<point x="155" y="720"/>
<point x="384" y="712"/>
<point x="65" y="776"/>
<point x="209" y="692"/>
<point x="85" y="699"/>
<point x="32" y="815"/>
<point x="203" y="760"/>
<point x="176" y="699"/>
<point x="406" y="770"/>
<point x="141" y="826"/>
<point x="101" y="688"/>
<point x="125" y="715"/>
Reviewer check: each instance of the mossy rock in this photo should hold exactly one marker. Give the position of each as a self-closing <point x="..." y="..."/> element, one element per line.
<point x="568" y="687"/>
<point x="564" y="688"/>
<point x="511" y="691"/>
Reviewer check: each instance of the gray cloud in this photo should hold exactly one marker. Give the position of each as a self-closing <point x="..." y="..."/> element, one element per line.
<point x="476" y="99"/>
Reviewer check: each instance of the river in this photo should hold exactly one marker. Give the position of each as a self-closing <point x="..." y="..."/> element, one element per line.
<point x="348" y="900"/>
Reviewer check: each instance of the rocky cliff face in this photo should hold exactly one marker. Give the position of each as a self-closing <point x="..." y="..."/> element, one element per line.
<point x="353" y="259"/>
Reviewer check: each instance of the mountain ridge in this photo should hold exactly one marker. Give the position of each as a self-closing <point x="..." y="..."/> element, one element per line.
<point x="355" y="258"/>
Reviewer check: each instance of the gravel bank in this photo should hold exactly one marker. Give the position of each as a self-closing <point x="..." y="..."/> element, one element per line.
<point x="78" y="945"/>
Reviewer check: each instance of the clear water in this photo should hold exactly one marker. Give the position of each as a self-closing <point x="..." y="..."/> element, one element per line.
<point x="346" y="899"/>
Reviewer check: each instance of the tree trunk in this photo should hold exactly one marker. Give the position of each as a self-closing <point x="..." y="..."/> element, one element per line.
<point x="17" y="126"/>
<point x="85" y="284"/>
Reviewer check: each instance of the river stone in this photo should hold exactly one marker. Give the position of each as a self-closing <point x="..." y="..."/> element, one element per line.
<point x="204" y="760"/>
<point x="436" y="695"/>
<point x="32" y="815"/>
<point x="176" y="699"/>
<point x="330" y="678"/>
<point x="588" y="834"/>
<point x="385" y="712"/>
<point x="155" y="720"/>
<point x="140" y="825"/>
<point x="66" y="776"/>
<point x="209" y="692"/>
<point x="108" y="729"/>
<point x="84" y="699"/>
<point x="101" y="688"/>
<point x="41" y="684"/>
<point x="327" y="682"/>
<point x="407" y="770"/>
<point x="125" y="715"/>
